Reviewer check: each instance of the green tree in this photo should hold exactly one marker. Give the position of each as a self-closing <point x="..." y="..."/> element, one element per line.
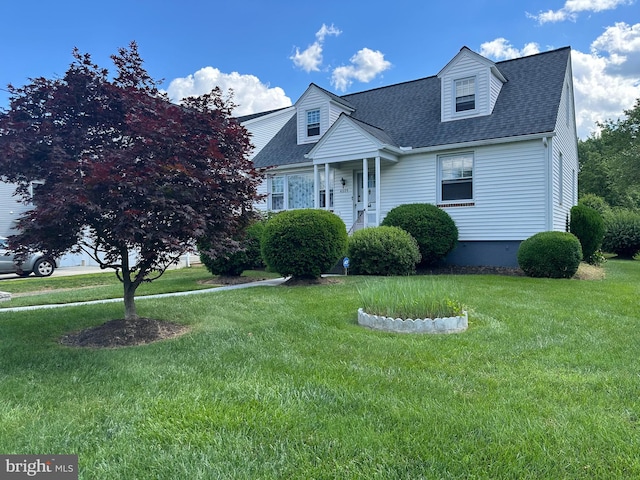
<point x="129" y="177"/>
<point x="610" y="161"/>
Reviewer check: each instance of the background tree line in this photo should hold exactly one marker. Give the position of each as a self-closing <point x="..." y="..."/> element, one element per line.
<point x="610" y="161"/>
<point x="609" y="181"/>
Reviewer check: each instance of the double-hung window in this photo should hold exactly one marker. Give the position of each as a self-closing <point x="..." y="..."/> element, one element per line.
<point x="313" y="123"/>
<point x="456" y="174"/>
<point x="465" y="94"/>
<point x="277" y="193"/>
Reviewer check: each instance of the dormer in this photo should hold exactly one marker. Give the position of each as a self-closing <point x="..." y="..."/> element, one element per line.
<point x="316" y="111"/>
<point x="469" y="86"/>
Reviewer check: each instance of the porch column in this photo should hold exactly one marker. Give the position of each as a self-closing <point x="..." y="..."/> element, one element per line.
<point x="327" y="206"/>
<point x="316" y="186"/>
<point x="365" y="191"/>
<point x="378" y="186"/>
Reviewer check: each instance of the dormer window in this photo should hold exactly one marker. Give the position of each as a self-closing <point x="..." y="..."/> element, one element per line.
<point x="313" y="122"/>
<point x="465" y="94"/>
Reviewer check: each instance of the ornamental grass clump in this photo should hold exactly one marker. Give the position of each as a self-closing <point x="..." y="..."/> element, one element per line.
<point x="407" y="298"/>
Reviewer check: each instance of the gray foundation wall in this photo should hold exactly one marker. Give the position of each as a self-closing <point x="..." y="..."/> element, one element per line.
<point x="495" y="254"/>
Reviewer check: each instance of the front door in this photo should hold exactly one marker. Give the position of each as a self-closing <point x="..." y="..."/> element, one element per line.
<point x="360" y="209"/>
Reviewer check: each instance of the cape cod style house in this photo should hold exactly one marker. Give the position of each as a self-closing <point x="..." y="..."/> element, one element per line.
<point x="492" y="144"/>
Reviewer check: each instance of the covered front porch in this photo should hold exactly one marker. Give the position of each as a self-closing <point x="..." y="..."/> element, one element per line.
<point x="354" y="192"/>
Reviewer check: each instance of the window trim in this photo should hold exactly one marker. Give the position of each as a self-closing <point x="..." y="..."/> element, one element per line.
<point x="313" y="127"/>
<point x="466" y="202"/>
<point x="455" y="96"/>
<point x="286" y="191"/>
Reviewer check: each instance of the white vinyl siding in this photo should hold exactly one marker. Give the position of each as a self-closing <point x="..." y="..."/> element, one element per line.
<point x="564" y="189"/>
<point x="507" y="205"/>
<point x="487" y="87"/>
<point x="316" y="99"/>
<point x="346" y="142"/>
<point x="263" y="129"/>
<point x="10" y="208"/>
<point x="312" y="100"/>
<point x="495" y="88"/>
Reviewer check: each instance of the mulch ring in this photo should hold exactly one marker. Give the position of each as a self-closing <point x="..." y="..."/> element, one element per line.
<point x="124" y="333"/>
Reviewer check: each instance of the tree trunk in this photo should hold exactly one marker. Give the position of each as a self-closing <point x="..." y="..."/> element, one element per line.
<point x="129" y="288"/>
<point x="129" y="300"/>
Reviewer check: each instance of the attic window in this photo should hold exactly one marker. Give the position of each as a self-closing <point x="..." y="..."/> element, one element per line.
<point x="313" y="123"/>
<point x="465" y="94"/>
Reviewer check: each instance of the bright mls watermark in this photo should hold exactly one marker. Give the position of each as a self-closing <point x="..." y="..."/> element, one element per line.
<point x="49" y="467"/>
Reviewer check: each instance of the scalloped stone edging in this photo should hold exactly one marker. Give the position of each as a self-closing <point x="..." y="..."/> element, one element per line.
<point x="409" y="325"/>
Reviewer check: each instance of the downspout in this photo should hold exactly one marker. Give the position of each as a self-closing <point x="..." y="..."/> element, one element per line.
<point x="546" y="142"/>
<point x="378" y="188"/>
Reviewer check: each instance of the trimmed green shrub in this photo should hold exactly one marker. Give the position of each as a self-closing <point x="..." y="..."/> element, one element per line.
<point x="587" y="224"/>
<point x="432" y="227"/>
<point x="383" y="251"/>
<point x="303" y="243"/>
<point x="622" y="233"/>
<point x="550" y="255"/>
<point x="253" y="239"/>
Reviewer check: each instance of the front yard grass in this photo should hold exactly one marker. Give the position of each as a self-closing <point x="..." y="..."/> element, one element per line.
<point x="280" y="382"/>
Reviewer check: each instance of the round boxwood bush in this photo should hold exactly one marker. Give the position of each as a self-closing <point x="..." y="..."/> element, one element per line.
<point x="303" y="243"/>
<point x="587" y="224"/>
<point x="622" y="233"/>
<point x="432" y="227"/>
<point x="383" y="251"/>
<point x="550" y="254"/>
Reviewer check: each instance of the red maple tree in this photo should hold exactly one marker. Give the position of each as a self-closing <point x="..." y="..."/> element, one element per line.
<point x="129" y="177"/>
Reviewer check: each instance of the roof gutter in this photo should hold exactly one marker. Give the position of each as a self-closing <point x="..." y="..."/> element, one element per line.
<point x="476" y="143"/>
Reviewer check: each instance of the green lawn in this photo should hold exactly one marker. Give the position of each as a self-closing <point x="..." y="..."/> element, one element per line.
<point x="279" y="382"/>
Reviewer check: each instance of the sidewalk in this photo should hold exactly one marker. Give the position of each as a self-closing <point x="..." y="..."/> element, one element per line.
<point x="268" y="283"/>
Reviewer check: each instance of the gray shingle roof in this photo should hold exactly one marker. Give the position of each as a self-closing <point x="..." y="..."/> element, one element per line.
<point x="408" y="114"/>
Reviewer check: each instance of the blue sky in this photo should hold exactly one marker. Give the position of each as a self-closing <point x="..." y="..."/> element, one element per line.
<point x="270" y="51"/>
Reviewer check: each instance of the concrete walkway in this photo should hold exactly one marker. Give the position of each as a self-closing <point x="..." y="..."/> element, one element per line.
<point x="261" y="283"/>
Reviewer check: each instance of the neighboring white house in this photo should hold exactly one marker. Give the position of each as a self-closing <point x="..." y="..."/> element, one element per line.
<point x="492" y="144"/>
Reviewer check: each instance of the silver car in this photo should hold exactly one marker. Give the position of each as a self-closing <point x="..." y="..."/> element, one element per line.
<point x="37" y="263"/>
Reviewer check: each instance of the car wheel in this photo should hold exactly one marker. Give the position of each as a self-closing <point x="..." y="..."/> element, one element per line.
<point x="43" y="267"/>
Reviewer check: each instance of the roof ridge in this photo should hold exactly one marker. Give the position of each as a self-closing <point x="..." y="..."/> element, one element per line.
<point x="435" y="75"/>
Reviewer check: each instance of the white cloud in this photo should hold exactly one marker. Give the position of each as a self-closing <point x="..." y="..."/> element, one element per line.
<point x="324" y="31"/>
<point x="310" y="59"/>
<point x="501" y="49"/>
<point x="249" y="93"/>
<point x="572" y="8"/>
<point x="622" y="42"/>
<point x="365" y="66"/>
<point x="606" y="79"/>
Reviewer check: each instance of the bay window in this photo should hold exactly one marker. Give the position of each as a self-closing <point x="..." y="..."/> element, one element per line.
<point x="288" y="192"/>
